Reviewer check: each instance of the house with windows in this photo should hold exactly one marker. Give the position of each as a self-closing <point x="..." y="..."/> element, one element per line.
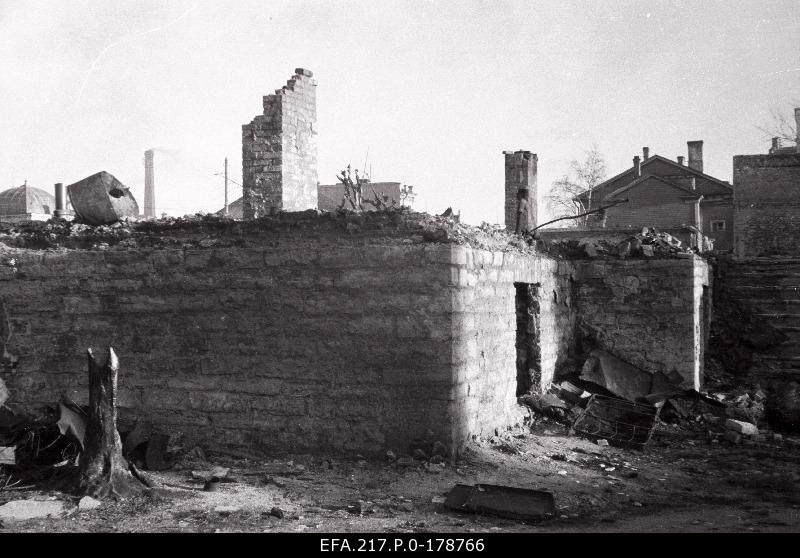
<point x="666" y="194"/>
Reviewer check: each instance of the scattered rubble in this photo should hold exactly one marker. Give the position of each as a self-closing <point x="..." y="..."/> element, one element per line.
<point x="648" y="243"/>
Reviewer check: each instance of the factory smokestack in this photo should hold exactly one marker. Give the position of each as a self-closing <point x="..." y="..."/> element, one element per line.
<point x="149" y="186"/>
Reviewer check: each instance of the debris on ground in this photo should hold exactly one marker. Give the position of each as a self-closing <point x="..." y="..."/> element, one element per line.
<point x="88" y="503"/>
<point x="617" y="421"/>
<point x="502" y="501"/>
<point x="617" y="376"/>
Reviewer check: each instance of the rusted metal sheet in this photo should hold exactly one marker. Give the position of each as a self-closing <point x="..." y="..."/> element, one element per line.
<point x="101" y="199"/>
<point x="502" y="501"/>
<point x="622" y="423"/>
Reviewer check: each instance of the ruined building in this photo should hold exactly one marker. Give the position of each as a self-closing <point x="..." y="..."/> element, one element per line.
<point x="308" y="332"/>
<point x="279" y="151"/>
<point x="767" y="201"/>
<point x="667" y="194"/>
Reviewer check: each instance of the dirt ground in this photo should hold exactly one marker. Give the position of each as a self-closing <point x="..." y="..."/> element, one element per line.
<point x="680" y="483"/>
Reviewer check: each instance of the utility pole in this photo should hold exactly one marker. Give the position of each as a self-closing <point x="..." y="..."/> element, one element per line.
<point x="226" y="186"/>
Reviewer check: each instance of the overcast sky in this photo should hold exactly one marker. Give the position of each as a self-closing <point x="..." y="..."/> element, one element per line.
<point x="434" y="90"/>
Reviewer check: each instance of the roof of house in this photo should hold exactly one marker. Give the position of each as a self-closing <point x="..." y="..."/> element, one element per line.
<point x="691" y="194"/>
<point x="707" y="185"/>
<point x="26" y="199"/>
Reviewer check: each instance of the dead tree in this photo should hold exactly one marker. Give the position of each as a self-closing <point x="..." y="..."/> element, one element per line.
<point x="102" y="470"/>
<point x="352" y="189"/>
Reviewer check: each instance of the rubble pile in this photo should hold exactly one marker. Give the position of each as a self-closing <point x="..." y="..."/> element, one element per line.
<point x="648" y="243"/>
<point x="613" y="398"/>
<point x="205" y="230"/>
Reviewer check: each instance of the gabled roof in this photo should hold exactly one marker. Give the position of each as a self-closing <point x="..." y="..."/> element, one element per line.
<point x="685" y="169"/>
<point x="639" y="181"/>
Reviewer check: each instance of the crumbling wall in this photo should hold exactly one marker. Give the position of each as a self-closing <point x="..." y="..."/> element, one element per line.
<point x="279" y="151"/>
<point x="484" y="330"/>
<point x="319" y="334"/>
<point x="651" y="313"/>
<point x="766" y="204"/>
<point x="299" y="342"/>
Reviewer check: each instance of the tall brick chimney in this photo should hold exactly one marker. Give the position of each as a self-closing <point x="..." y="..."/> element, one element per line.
<point x="521" y="173"/>
<point x="645" y="153"/>
<point x="695" y="155"/>
<point x="637" y="167"/>
<point x="279" y="150"/>
<point x="149" y="186"/>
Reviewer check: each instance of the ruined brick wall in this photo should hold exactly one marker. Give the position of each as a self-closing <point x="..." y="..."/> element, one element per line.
<point x="279" y="151"/>
<point x="766" y="204"/>
<point x="485" y="323"/>
<point x="299" y="342"/>
<point x="306" y="337"/>
<point x="651" y="313"/>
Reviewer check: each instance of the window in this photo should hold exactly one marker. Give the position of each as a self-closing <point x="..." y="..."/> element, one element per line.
<point x="717" y="226"/>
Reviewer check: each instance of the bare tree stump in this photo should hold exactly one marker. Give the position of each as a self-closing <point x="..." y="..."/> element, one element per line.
<point x="102" y="470"/>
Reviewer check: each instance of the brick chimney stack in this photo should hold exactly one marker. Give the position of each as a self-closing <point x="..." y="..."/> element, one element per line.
<point x="681" y="160"/>
<point x="645" y="153"/>
<point x="637" y="167"/>
<point x="695" y="155"/>
<point x="521" y="174"/>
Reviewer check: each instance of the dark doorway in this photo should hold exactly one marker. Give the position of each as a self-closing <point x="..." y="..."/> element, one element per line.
<point x="529" y="373"/>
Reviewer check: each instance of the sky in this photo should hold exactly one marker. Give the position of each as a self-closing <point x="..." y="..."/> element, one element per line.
<point x="430" y="93"/>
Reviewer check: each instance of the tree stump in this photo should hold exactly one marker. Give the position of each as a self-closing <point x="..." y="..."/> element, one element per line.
<point x="102" y="470"/>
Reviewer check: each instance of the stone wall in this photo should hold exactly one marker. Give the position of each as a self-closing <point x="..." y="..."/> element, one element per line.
<point x="312" y="336"/>
<point x="766" y="205"/>
<point x="485" y="325"/>
<point x="307" y="333"/>
<point x="651" y="313"/>
<point x="279" y="151"/>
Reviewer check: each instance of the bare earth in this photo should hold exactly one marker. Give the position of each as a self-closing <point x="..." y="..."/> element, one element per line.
<point x="680" y="483"/>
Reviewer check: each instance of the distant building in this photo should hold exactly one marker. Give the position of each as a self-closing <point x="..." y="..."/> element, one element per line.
<point x="26" y="203"/>
<point x="666" y="194"/>
<point x="767" y="198"/>
<point x="330" y="196"/>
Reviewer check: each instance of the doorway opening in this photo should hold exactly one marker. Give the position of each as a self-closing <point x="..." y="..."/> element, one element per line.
<point x="529" y="372"/>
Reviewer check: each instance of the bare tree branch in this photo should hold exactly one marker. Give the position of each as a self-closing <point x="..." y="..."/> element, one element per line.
<point x="583" y="176"/>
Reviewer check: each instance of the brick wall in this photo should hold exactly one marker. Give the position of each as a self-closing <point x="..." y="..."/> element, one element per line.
<point x="299" y="342"/>
<point x="318" y="333"/>
<point x="766" y="204"/>
<point x="485" y="323"/>
<point x="647" y="312"/>
<point x="279" y="151"/>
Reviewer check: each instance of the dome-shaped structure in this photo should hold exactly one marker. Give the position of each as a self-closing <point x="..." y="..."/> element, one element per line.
<point x="26" y="200"/>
